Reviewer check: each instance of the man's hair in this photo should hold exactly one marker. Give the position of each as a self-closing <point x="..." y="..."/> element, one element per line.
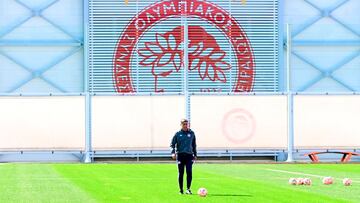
<point x="184" y="120"/>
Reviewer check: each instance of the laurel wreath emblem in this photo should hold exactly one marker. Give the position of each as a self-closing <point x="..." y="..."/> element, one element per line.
<point x="165" y="56"/>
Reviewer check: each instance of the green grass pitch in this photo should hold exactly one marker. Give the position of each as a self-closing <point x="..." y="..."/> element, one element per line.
<point x="158" y="183"/>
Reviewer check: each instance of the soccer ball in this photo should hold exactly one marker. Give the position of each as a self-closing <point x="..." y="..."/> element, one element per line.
<point x="292" y="181"/>
<point x="347" y="181"/>
<point x="299" y="181"/>
<point x="202" y="192"/>
<point x="307" y="181"/>
<point x="327" y="180"/>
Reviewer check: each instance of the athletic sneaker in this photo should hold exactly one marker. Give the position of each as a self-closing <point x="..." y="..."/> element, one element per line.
<point x="188" y="192"/>
<point x="181" y="192"/>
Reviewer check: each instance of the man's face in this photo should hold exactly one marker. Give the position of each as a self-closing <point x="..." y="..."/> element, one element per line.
<point x="184" y="126"/>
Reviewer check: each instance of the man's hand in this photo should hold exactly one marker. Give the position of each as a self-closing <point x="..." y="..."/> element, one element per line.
<point x="173" y="156"/>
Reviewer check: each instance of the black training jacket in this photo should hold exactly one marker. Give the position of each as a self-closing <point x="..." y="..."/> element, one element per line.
<point x="184" y="142"/>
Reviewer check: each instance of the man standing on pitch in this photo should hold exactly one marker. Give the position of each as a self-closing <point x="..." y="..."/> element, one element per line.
<point x="184" y="142"/>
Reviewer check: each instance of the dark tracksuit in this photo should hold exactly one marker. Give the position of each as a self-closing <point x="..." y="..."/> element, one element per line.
<point x="185" y="144"/>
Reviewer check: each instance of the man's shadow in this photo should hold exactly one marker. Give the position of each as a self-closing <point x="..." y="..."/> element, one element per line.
<point x="229" y="195"/>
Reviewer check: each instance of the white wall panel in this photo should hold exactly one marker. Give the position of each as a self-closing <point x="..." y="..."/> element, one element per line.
<point x="42" y="123"/>
<point x="239" y="121"/>
<point x="327" y="121"/>
<point x="135" y="122"/>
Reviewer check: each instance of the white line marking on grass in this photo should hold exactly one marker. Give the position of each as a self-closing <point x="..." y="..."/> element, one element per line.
<point x="291" y="172"/>
<point x="305" y="174"/>
<point x="113" y="178"/>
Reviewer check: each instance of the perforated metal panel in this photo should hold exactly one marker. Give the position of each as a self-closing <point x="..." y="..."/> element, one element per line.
<point x="41" y="46"/>
<point x="325" y="45"/>
<point x="258" y="21"/>
<point x="146" y="46"/>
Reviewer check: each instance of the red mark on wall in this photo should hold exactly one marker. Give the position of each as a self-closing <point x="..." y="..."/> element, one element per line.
<point x="238" y="126"/>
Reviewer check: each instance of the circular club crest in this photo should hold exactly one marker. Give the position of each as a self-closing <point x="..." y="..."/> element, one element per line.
<point x="238" y="126"/>
<point x="165" y="54"/>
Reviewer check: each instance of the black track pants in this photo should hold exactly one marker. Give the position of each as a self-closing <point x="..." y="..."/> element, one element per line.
<point x="185" y="160"/>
